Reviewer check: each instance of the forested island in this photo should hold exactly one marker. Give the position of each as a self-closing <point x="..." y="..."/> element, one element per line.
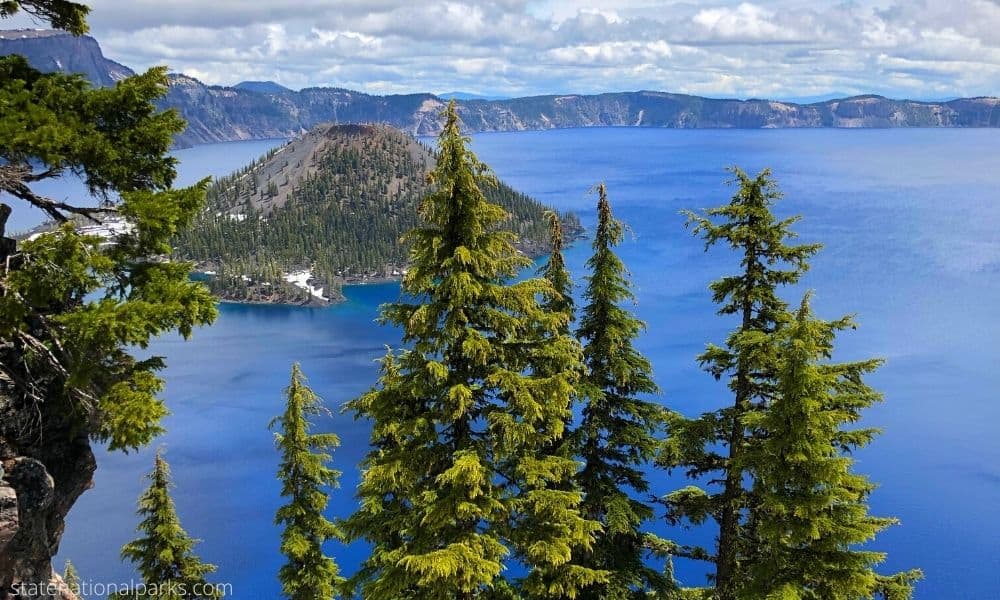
<point x="329" y="208"/>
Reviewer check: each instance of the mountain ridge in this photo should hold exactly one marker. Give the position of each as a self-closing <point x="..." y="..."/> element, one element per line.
<point x="222" y="113"/>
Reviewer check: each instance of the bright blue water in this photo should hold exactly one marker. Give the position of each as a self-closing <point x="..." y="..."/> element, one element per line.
<point x="910" y="222"/>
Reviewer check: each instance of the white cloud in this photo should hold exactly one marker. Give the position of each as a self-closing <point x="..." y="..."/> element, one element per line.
<point x="775" y="48"/>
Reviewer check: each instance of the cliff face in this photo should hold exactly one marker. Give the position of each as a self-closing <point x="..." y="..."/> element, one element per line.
<point x="58" y="51"/>
<point x="221" y="114"/>
<point x="258" y="110"/>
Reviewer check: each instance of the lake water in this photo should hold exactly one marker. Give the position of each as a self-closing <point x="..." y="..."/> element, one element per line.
<point x="910" y="220"/>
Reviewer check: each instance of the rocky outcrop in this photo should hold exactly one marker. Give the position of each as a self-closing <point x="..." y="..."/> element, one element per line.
<point x="35" y="497"/>
<point x="52" y="51"/>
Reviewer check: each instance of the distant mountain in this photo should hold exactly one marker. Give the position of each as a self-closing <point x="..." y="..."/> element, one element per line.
<point x="262" y="87"/>
<point x="468" y="96"/>
<point x="217" y="113"/>
<point x="53" y="51"/>
<point x="816" y="98"/>
<point x="327" y="208"/>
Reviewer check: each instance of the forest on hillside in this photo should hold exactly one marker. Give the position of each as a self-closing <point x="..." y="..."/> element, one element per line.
<point x="342" y="216"/>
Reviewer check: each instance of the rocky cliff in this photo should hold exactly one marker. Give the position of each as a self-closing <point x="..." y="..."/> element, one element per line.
<point x="51" y="51"/>
<point x="256" y="110"/>
<point x="216" y="114"/>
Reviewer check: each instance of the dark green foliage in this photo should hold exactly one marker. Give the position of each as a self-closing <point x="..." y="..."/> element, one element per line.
<point x="713" y="444"/>
<point x="305" y="476"/>
<point x="164" y="555"/>
<point x="811" y="510"/>
<point x="618" y="431"/>
<point x="459" y="409"/>
<point x="71" y="305"/>
<point x="556" y="273"/>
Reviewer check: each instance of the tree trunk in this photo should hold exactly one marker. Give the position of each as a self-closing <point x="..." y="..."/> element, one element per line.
<point x="726" y="567"/>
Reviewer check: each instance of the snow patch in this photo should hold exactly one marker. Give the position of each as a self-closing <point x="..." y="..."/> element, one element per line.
<point x="300" y="279"/>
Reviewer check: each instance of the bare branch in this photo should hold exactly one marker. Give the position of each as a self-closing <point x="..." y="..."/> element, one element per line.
<point x="14" y="179"/>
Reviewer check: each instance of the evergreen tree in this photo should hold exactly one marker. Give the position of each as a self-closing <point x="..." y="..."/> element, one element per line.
<point x="460" y="410"/>
<point x="556" y="273"/>
<point x="618" y="430"/>
<point x="715" y="442"/>
<point x="165" y="556"/>
<point x="305" y="474"/>
<point x="812" y="513"/>
<point x="71" y="578"/>
<point x="73" y="308"/>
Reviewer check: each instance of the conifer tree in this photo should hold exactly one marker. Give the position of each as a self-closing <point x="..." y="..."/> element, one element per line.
<point x="460" y="409"/>
<point x="618" y="430"/>
<point x="305" y="475"/>
<point x="812" y="514"/>
<point x="164" y="555"/>
<point x="71" y="578"/>
<point x="556" y="273"/>
<point x="73" y="308"/>
<point x="714" y="443"/>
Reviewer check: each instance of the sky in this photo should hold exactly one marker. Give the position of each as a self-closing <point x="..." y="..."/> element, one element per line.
<point x="783" y="49"/>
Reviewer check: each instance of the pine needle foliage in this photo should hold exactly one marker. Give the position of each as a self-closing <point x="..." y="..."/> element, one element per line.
<point x="460" y="411"/>
<point x="812" y="512"/>
<point x="71" y="578"/>
<point x="164" y="555"/>
<point x="712" y="445"/>
<point x="305" y="476"/>
<point x="71" y="304"/>
<point x="618" y="431"/>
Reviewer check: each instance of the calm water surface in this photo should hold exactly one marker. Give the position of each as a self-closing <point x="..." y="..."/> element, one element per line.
<point x="910" y="220"/>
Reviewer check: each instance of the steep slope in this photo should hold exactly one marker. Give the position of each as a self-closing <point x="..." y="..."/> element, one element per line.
<point x="221" y="114"/>
<point x="51" y="51"/>
<point x="327" y="208"/>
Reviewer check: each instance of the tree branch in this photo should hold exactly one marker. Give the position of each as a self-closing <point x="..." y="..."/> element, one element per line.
<point x="14" y="179"/>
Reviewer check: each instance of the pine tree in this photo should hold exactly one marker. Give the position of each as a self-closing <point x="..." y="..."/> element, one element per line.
<point x="749" y="358"/>
<point x="72" y="308"/>
<point x="556" y="273"/>
<point x="165" y="556"/>
<point x="812" y="513"/>
<point x="618" y="430"/>
<point x="304" y="473"/>
<point x="460" y="409"/>
<point x="71" y="578"/>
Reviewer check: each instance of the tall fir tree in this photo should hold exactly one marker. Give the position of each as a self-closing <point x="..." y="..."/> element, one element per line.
<point x="618" y="431"/>
<point x="557" y="274"/>
<point x="812" y="510"/>
<point x="461" y="409"/>
<point x="555" y="352"/>
<point x="164" y="555"/>
<point x="712" y="445"/>
<point x="305" y="476"/>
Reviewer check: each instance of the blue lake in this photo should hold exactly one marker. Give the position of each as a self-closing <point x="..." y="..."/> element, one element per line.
<point x="910" y="220"/>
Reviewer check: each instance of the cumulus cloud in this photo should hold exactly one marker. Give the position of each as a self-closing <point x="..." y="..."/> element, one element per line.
<point x="742" y="48"/>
